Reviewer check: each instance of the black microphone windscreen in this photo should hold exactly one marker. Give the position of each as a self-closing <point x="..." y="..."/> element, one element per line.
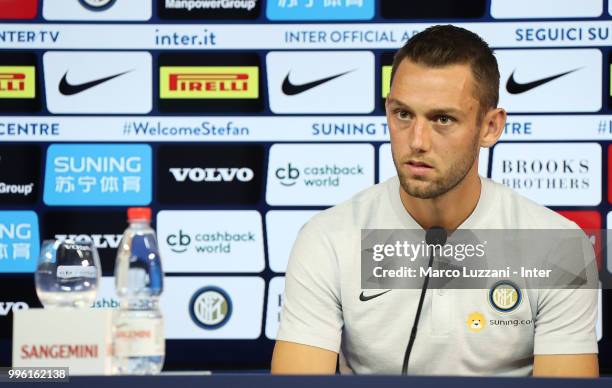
<point x="436" y="236"/>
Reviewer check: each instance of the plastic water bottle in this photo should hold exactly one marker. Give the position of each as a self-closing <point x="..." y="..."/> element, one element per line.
<point x="138" y="335"/>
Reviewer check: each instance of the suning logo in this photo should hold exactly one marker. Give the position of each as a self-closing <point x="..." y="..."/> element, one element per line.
<point x="18" y="241"/>
<point x="197" y="174"/>
<point x="109" y="174"/>
<point x="102" y="164"/>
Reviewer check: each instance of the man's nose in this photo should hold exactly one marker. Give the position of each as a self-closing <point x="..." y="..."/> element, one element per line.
<point x="420" y="136"/>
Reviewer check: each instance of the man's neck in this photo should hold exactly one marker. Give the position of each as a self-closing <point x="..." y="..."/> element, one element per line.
<point x="449" y="210"/>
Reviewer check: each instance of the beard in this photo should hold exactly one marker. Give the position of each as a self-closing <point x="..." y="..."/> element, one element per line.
<point x="439" y="186"/>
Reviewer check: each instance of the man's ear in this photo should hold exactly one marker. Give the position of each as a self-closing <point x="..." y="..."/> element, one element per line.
<point x="493" y="124"/>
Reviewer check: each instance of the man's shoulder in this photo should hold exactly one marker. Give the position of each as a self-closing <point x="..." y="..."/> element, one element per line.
<point x="519" y="212"/>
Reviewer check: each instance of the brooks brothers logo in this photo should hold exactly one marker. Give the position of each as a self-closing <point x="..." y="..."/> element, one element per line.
<point x="97" y="5"/>
<point x="505" y="296"/>
<point x="514" y="87"/>
<point x="17" y="81"/>
<point x="68" y="89"/>
<point x="291" y="89"/>
<point x="218" y="82"/>
<point x="210" y="308"/>
<point x="364" y="298"/>
<point x="327" y="175"/>
<point x="476" y="322"/>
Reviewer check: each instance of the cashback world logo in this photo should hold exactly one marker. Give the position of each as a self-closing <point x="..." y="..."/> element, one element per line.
<point x="211" y="241"/>
<point x="19" y="241"/>
<point x="318" y="174"/>
<point x="87" y="174"/>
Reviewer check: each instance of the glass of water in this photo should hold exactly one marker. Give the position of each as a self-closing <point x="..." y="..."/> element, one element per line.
<point x="67" y="274"/>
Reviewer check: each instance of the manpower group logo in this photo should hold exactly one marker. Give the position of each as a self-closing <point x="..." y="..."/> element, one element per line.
<point x="100" y="174"/>
<point x="322" y="174"/>
<point x="19" y="241"/>
<point x="209" y="9"/>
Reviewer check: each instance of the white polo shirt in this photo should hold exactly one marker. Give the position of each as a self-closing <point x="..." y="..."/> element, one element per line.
<point x="460" y="332"/>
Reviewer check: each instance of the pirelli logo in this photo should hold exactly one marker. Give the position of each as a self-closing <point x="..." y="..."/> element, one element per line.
<point x="209" y="82"/>
<point x="386" y="80"/>
<point x="17" y="81"/>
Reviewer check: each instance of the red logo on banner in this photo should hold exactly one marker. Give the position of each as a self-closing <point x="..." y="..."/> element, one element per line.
<point x="609" y="173"/>
<point x="18" y="9"/>
<point x="590" y="222"/>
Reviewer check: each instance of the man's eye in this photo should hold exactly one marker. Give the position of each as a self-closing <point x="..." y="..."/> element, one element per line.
<point x="444" y="120"/>
<point x="402" y="114"/>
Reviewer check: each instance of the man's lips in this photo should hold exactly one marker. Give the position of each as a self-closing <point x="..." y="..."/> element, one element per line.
<point x="417" y="167"/>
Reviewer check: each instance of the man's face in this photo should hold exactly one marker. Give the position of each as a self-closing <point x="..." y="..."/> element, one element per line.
<point x="433" y="121"/>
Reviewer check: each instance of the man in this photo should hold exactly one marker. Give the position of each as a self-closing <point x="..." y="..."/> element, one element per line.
<point x="441" y="109"/>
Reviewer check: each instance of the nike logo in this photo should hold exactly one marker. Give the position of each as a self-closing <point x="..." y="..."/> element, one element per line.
<point x="364" y="298"/>
<point x="68" y="89"/>
<point x="514" y="87"/>
<point x="291" y="89"/>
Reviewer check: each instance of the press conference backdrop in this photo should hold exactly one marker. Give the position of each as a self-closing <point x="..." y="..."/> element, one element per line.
<point x="236" y="121"/>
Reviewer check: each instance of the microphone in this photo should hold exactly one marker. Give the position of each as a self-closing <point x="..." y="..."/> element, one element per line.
<point x="434" y="236"/>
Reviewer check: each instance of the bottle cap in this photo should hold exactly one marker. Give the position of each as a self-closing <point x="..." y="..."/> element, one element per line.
<point x="139" y="213"/>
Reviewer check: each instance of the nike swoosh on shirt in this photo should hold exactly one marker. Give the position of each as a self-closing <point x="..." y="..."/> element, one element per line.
<point x="291" y="89"/>
<point x="68" y="89"/>
<point x="514" y="87"/>
<point x="364" y="298"/>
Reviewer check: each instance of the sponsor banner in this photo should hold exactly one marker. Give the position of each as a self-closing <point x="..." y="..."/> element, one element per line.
<point x="609" y="173"/>
<point x="609" y="251"/>
<point x="362" y="36"/>
<point x="98" y="174"/>
<point x="321" y="82"/>
<point x="276" y="289"/>
<point x="19" y="174"/>
<point x="550" y="80"/>
<point x="320" y="10"/>
<point x="18" y="9"/>
<point x="103" y="228"/>
<point x="543" y="9"/>
<point x="610" y="77"/>
<point x="318" y="174"/>
<point x="98" y="82"/>
<point x="209" y="83"/>
<point x="273" y="128"/>
<point x="386" y="167"/>
<point x="97" y="10"/>
<point x="197" y="241"/>
<point x="282" y="227"/>
<point x="209" y="9"/>
<point x="590" y="222"/>
<point x="19" y="83"/>
<point x="552" y="174"/>
<point x="19" y="241"/>
<point x="16" y="293"/>
<point x="106" y="298"/>
<point x="210" y="174"/>
<point x="433" y="9"/>
<point x="213" y="307"/>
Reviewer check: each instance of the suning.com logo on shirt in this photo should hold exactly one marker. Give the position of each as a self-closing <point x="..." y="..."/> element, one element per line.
<point x="87" y="174"/>
<point x="19" y="241"/>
